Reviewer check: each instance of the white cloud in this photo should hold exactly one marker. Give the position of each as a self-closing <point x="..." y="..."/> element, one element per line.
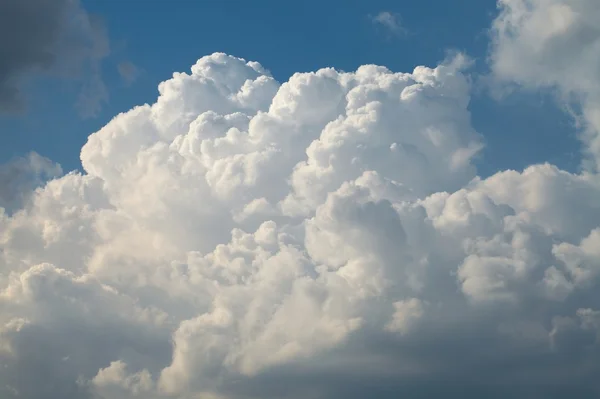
<point x="390" y="21"/>
<point x="406" y="314"/>
<point x="324" y="237"/>
<point x="115" y="376"/>
<point x="554" y="44"/>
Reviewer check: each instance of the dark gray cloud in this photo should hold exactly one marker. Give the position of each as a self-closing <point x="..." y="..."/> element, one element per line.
<point x="55" y="37"/>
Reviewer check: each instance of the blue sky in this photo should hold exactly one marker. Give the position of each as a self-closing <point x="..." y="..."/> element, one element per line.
<point x="160" y="37"/>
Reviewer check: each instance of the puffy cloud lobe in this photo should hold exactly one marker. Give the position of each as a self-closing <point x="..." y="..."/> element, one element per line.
<point x="115" y="376"/>
<point x="326" y="236"/>
<point x="57" y="326"/>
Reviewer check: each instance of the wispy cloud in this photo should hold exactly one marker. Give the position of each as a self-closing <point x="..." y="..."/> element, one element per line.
<point x="391" y="22"/>
<point x="128" y="71"/>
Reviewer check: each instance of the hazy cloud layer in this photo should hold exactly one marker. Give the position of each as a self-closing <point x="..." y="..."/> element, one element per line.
<point x="50" y="36"/>
<point x="327" y="237"/>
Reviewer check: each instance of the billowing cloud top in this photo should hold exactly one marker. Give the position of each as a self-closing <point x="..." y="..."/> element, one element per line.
<point x="327" y="237"/>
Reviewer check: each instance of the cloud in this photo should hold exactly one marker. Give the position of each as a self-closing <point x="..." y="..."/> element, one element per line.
<point x="327" y="236"/>
<point x="128" y="72"/>
<point x="554" y="45"/>
<point x="50" y="37"/>
<point x="391" y="22"/>
<point x="21" y="176"/>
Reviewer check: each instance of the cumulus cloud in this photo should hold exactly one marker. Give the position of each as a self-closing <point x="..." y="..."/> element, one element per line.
<point x="323" y="237"/>
<point x="51" y="36"/>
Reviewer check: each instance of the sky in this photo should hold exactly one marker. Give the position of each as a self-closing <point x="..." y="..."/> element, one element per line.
<point x="329" y="199"/>
<point x="162" y="37"/>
